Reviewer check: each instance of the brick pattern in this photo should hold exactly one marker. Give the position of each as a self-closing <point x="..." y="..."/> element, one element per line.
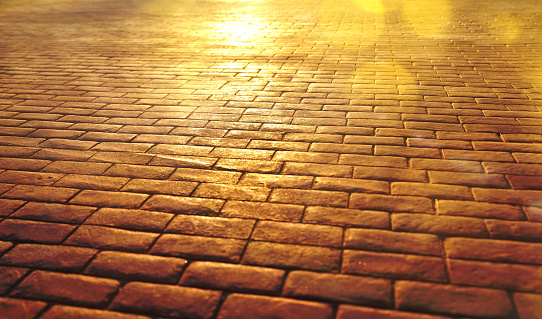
<point x="268" y="159"/>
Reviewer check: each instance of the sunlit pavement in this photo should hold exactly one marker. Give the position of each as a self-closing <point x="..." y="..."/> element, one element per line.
<point x="271" y="159"/>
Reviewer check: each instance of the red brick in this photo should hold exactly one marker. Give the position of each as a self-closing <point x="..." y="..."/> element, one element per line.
<point x="109" y="199"/>
<point x="513" y="277"/>
<point x="60" y="258"/>
<point x="239" y="278"/>
<point x="292" y="256"/>
<point x="352" y="312"/>
<point x="525" y="182"/>
<point x="295" y="233"/>
<point x="494" y="250"/>
<point x="341" y="288"/>
<point x="389" y="241"/>
<point x="23" y="230"/>
<point x="309" y="197"/>
<point x="9" y="276"/>
<point x="439" y="225"/>
<point x="70" y="214"/>
<point x="262" y="211"/>
<point x="209" y="248"/>
<point x="239" y="306"/>
<point x="4" y="246"/>
<point x="130" y="219"/>
<point x="453" y="300"/>
<point x="184" y="205"/>
<point x="67" y="288"/>
<point x="111" y="238"/>
<point x="390" y="203"/>
<point x="164" y="300"/>
<point x="136" y="267"/>
<point x="20" y="309"/>
<point x="346" y="217"/>
<point x="58" y="312"/>
<point x="529" y="305"/>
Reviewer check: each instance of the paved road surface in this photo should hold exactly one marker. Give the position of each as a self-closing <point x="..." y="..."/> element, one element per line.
<point x="271" y="159"/>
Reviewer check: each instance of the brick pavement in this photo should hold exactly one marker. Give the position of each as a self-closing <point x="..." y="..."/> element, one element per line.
<point x="271" y="159"/>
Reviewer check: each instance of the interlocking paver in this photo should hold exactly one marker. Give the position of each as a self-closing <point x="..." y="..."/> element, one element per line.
<point x="233" y="159"/>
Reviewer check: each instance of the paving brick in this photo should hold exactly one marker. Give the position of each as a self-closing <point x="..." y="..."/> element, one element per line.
<point x="314" y="169"/>
<point x="30" y="231"/>
<point x="508" y="196"/>
<point x="351" y="185"/>
<point x="294" y="233"/>
<point x="139" y="171"/>
<point x="524" y="230"/>
<point x="346" y="217"/>
<point x="43" y="193"/>
<point x="67" y="288"/>
<point x="70" y="214"/>
<point x="468" y="179"/>
<point x="477" y="155"/>
<point x="280" y="181"/>
<point x="251" y="306"/>
<point x="528" y="305"/>
<point x="446" y="165"/>
<point x="534" y="214"/>
<point x="184" y="205"/>
<point x="9" y="276"/>
<point x="66" y="155"/>
<point x="247" y="165"/>
<point x="22" y="164"/>
<point x="249" y="193"/>
<point x="136" y="267"/>
<point x="452" y="300"/>
<point x="265" y="211"/>
<point x="32" y="178"/>
<point x="353" y="312"/>
<point x="240" y="278"/>
<point x="367" y="160"/>
<point x="57" y="312"/>
<point x="496" y="275"/>
<point x="109" y="199"/>
<point x="477" y="209"/>
<point x="398" y="266"/>
<point x="342" y="288"/>
<point x="390" y="174"/>
<point x="166" y="300"/>
<point x="431" y="190"/>
<point x="390" y="241"/>
<point x="61" y="143"/>
<point x="8" y="206"/>
<point x="440" y="225"/>
<point x="292" y="256"/>
<point x="390" y="203"/>
<point x="201" y="175"/>
<point x="20" y="309"/>
<point x="309" y="197"/>
<point x="209" y="248"/>
<point x="139" y="219"/>
<point x="211" y="226"/>
<point x="111" y="238"/>
<point x="493" y="250"/>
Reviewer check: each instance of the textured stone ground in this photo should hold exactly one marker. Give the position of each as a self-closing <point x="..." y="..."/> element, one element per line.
<point x="271" y="159"/>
